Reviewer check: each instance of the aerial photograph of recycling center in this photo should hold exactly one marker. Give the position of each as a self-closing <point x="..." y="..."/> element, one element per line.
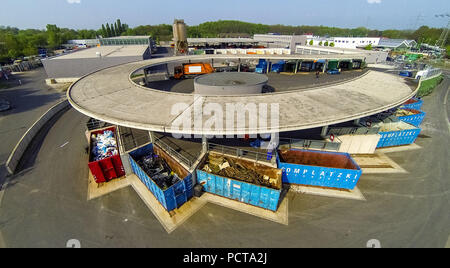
<point x="228" y="125"/>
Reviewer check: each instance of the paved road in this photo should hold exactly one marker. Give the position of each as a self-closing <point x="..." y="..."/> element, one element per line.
<point x="278" y="82"/>
<point x="29" y="101"/>
<point x="45" y="206"/>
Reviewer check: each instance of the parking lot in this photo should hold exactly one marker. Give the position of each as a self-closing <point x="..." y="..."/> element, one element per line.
<point x="278" y="82"/>
<point x="46" y="204"/>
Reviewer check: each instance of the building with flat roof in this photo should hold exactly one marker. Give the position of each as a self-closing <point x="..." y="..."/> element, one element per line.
<point x="221" y="42"/>
<point x="397" y="44"/>
<point x="345" y="42"/>
<point x="371" y="56"/>
<point x="281" y="41"/>
<point x="82" y="62"/>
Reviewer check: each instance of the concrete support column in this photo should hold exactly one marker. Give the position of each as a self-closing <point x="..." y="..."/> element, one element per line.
<point x="325" y="65"/>
<point x="239" y="66"/>
<point x="357" y="122"/>
<point x="204" y="144"/>
<point x="167" y="70"/>
<point x="145" y="77"/>
<point x="324" y="131"/>
<point x="268" y="66"/>
<point x="296" y="67"/>
<point x="152" y="137"/>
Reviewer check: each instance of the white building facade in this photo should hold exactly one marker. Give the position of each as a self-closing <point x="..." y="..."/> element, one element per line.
<point x="345" y="42"/>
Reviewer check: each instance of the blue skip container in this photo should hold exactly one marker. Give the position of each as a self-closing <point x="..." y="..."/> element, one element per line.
<point x="245" y="192"/>
<point x="176" y="195"/>
<point x="414" y="118"/>
<point x="414" y="104"/>
<point x="393" y="131"/>
<point x="320" y="169"/>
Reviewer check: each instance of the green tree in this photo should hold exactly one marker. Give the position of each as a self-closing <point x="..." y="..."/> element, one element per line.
<point x="368" y="47"/>
<point x="119" y="27"/>
<point x="113" y="30"/>
<point x="320" y="43"/>
<point x="104" y="31"/>
<point x="108" y="30"/>
<point x="54" y="36"/>
<point x="311" y="43"/>
<point x="326" y="43"/>
<point x="332" y="45"/>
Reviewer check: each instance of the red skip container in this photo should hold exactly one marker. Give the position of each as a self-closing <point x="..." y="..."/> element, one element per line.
<point x="109" y="168"/>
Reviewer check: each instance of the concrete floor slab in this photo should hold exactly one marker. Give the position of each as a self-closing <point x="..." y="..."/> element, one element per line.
<point x="399" y="149"/>
<point x="168" y="221"/>
<point x="281" y="216"/>
<point x="378" y="163"/>
<point x="95" y="190"/>
<point x="128" y="104"/>
<point x="355" y="194"/>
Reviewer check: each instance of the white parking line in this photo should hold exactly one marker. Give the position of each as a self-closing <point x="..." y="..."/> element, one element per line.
<point x="445" y="104"/>
<point x="2" y="241"/>
<point x="3" y="189"/>
<point x="446" y="96"/>
<point x="63" y="145"/>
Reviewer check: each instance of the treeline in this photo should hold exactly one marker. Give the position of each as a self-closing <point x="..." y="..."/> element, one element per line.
<point x="115" y="29"/>
<point x="229" y="28"/>
<point x="16" y="43"/>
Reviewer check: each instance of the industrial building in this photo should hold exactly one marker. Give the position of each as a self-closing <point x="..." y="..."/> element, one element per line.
<point x="344" y="42"/>
<point x="397" y="44"/>
<point x="280" y="41"/>
<point x="221" y="42"/>
<point x="113" y="41"/>
<point x="371" y="56"/>
<point x="71" y="66"/>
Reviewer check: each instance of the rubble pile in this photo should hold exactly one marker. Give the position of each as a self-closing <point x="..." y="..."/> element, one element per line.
<point x="159" y="171"/>
<point x="104" y="145"/>
<point x="229" y="168"/>
<point x="401" y="113"/>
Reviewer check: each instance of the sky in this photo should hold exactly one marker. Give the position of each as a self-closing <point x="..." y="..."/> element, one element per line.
<point x="91" y="14"/>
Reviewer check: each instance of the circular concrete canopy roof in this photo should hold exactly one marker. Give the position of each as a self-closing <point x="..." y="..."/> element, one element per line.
<point x="111" y="96"/>
<point x="232" y="79"/>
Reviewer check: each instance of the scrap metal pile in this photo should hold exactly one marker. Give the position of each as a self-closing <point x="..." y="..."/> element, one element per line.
<point x="159" y="171"/>
<point x="401" y="113"/>
<point x="104" y="145"/>
<point x="229" y="168"/>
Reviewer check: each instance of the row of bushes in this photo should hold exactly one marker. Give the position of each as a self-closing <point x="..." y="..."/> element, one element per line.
<point x="427" y="86"/>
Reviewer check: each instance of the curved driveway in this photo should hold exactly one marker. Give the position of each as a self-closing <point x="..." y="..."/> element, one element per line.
<point x="111" y="96"/>
<point x="46" y="205"/>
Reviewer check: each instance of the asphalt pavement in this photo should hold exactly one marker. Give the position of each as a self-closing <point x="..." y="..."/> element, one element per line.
<point x="28" y="102"/>
<point x="45" y="205"/>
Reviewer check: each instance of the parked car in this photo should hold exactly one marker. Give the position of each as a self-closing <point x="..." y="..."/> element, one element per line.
<point x="334" y="71"/>
<point x="406" y="73"/>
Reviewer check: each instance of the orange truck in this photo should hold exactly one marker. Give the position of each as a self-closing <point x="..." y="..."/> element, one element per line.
<point x="192" y="69"/>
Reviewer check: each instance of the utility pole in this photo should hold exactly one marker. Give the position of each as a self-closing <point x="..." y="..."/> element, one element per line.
<point x="443" y="38"/>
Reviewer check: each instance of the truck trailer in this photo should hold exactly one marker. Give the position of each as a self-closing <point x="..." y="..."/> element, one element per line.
<point x="192" y="69"/>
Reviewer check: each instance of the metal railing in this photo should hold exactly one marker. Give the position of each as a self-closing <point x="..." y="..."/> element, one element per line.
<point x="238" y="152"/>
<point x="94" y="124"/>
<point x="311" y="144"/>
<point x="353" y="131"/>
<point x="431" y="73"/>
<point x="132" y="138"/>
<point x="187" y="161"/>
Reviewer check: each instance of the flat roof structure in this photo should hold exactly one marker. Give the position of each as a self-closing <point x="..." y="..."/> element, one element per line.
<point x="85" y="61"/>
<point x="105" y="51"/>
<point x="111" y="96"/>
<point x="218" y="41"/>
